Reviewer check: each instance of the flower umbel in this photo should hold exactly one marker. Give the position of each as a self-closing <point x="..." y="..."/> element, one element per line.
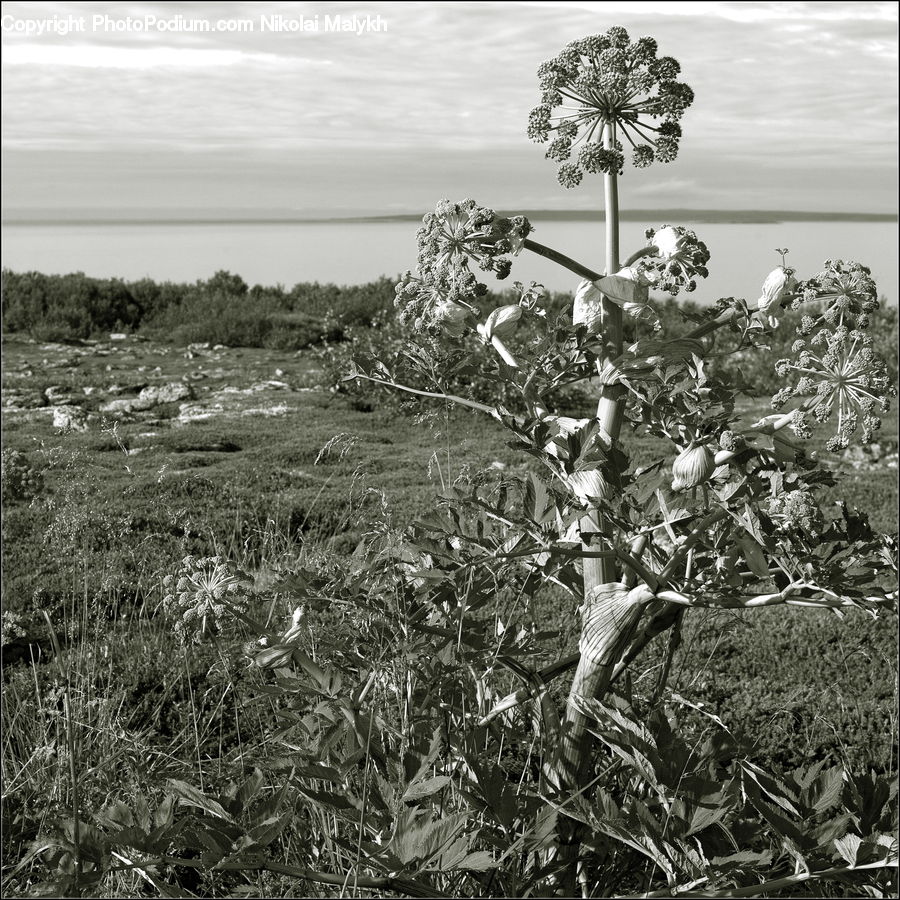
<point x="457" y="233"/>
<point x="838" y="372"/>
<point x="428" y="301"/>
<point x="846" y="290"/>
<point x="195" y="594"/>
<point x="681" y="259"/>
<point x="606" y="86"/>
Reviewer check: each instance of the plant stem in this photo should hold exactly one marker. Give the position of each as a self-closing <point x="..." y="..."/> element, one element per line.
<point x="592" y="676"/>
<point x="561" y="259"/>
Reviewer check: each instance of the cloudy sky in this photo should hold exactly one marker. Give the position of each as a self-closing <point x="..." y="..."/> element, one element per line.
<point x="796" y="105"/>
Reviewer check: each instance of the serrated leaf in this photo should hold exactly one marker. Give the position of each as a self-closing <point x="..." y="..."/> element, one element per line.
<point x="116" y="815"/>
<point x="426" y="787"/>
<point x="704" y="816"/>
<point x="190" y="796"/>
<point x="265" y="832"/>
<point x="828" y="788"/>
<point x="848" y="847"/>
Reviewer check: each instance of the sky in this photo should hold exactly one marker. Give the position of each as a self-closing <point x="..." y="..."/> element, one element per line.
<point x="137" y="109"/>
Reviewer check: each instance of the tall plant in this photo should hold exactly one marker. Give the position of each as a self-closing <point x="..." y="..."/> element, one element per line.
<point x="392" y="765"/>
<point x="735" y="520"/>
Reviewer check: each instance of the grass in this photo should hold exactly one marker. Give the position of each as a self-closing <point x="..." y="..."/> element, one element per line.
<point x="121" y="709"/>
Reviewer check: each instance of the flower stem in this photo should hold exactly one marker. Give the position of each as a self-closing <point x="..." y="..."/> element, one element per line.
<point x="561" y="259"/>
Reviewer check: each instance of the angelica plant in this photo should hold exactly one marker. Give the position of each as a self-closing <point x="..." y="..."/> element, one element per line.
<point x="737" y="520"/>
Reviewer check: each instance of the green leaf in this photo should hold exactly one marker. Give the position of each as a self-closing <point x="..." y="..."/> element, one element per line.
<point x="756" y="560"/>
<point x="478" y="861"/>
<point x="848" y="847"/>
<point x="190" y="796"/>
<point x="828" y="789"/>
<point x="265" y="832"/>
<point x="116" y="815"/>
<point x="426" y="787"/>
<point x="250" y="788"/>
<point x="164" y="814"/>
<point x="704" y="816"/>
<point x="538" y="502"/>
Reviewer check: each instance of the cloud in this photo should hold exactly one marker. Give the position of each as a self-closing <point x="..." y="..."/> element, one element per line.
<point x="779" y="86"/>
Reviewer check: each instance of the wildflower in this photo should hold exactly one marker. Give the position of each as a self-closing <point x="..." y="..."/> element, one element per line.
<point x="838" y="372"/>
<point x="681" y="259"/>
<point x="456" y="234"/>
<point x="847" y="292"/>
<point x="796" y="510"/>
<point x="196" y="593"/>
<point x="424" y="301"/>
<point x="604" y="87"/>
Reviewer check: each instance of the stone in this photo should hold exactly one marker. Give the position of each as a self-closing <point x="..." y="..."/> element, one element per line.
<point x="166" y="393"/>
<point x="70" y="418"/>
<point x="124" y="406"/>
<point x="57" y="395"/>
<point x="17" y="399"/>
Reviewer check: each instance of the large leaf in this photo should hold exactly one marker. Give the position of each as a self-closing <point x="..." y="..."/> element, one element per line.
<point x="426" y="787"/>
<point x="190" y="796"/>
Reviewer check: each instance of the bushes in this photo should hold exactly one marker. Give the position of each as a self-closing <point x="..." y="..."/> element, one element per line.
<point x="221" y="310"/>
<point x="224" y="310"/>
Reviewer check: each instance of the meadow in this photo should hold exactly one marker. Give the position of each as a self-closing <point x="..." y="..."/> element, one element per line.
<point x="212" y="426"/>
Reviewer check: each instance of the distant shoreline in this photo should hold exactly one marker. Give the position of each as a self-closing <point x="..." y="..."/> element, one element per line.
<point x="233" y="217"/>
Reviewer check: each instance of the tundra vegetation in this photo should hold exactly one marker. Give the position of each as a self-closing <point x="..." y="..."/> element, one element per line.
<point x="632" y="637"/>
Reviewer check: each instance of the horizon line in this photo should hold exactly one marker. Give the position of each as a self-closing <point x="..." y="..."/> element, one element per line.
<point x="18" y="216"/>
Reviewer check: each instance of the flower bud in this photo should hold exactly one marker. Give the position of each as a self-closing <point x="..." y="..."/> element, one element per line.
<point x="451" y="317"/>
<point x="692" y="466"/>
<point x="589" y="487"/>
<point x="667" y="242"/>
<point x="502" y="321"/>
<point x="779" y="284"/>
<point x="587" y="307"/>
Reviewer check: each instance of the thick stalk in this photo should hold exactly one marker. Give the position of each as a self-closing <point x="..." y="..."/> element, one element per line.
<point x="593" y="674"/>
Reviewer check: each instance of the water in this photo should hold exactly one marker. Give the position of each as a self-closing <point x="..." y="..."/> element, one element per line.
<point x="353" y="253"/>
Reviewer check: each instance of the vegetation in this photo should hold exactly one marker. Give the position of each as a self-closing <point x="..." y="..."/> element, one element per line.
<point x="249" y="652"/>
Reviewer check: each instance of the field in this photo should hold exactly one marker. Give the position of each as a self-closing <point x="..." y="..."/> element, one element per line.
<point x="248" y="454"/>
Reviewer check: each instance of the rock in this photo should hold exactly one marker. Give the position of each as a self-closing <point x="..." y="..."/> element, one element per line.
<point x="126" y="388"/>
<point x="70" y="418"/>
<point x="280" y="409"/>
<point x="124" y="406"/>
<point x="195" y="412"/>
<point x="166" y="393"/>
<point x="57" y="395"/>
<point x="17" y="399"/>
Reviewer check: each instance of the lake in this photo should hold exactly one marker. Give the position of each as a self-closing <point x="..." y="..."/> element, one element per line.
<point x="356" y="252"/>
